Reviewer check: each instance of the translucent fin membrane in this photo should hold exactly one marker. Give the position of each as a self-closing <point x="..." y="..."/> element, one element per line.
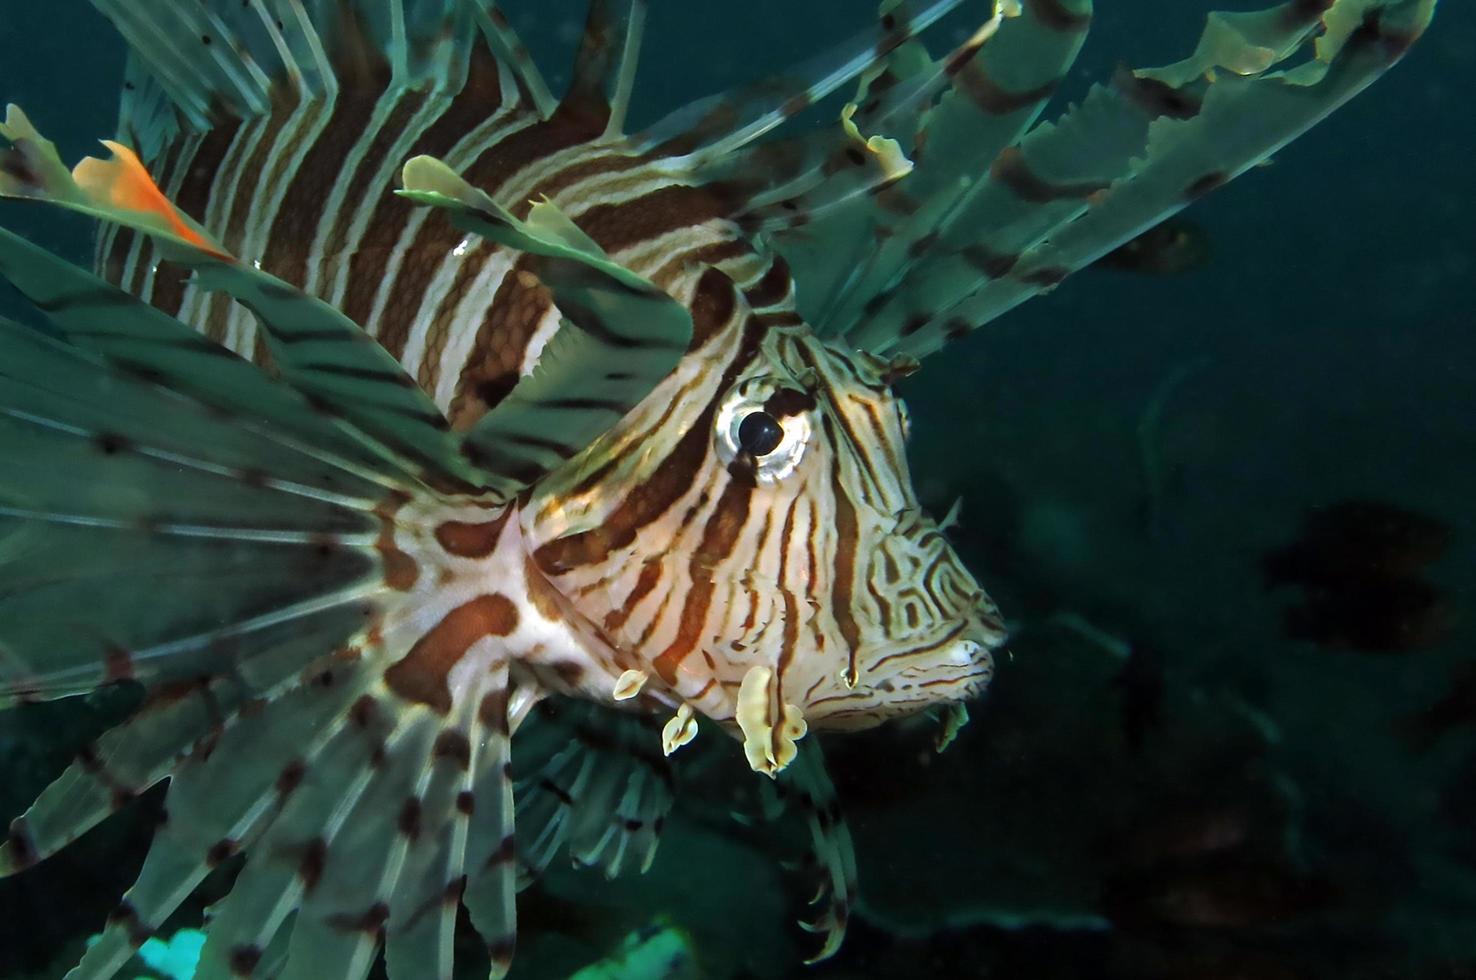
<point x="605" y="67"/>
<point x="708" y="130"/>
<point x="592" y="780"/>
<point x="228" y="538"/>
<point x="987" y="218"/>
<point x="997" y="90"/>
<point x="804" y="790"/>
<point x="211" y="60"/>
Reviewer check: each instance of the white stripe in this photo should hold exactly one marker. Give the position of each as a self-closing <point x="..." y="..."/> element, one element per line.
<point x="335" y="267"/>
<point x="465" y="325"/>
<point x="317" y="262"/>
<point x="280" y="171"/>
<point x="502" y="124"/>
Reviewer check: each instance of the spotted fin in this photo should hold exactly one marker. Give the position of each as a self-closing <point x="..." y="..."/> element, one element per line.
<point x="227" y="568"/>
<point x="1122" y="161"/>
<point x="1185" y="158"/>
<point x="998" y="82"/>
<point x="593" y="781"/>
<point x="708" y="130"/>
<point x="234" y="574"/>
<point x="242" y="778"/>
<point x="803" y="789"/>
<point x="148" y="345"/>
<point x="629" y="334"/>
<point x="106" y="507"/>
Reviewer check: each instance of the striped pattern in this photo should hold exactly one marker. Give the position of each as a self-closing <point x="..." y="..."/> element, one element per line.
<point x="464" y="317"/>
<point x="611" y="418"/>
<point x="686" y="552"/>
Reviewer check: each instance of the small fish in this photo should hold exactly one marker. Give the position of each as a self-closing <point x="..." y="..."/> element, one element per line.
<point x="409" y="398"/>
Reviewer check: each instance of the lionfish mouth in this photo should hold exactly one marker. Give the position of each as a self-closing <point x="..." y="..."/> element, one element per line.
<point x="955" y="664"/>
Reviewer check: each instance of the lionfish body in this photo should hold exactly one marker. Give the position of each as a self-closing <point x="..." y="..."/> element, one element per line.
<point x="607" y="415"/>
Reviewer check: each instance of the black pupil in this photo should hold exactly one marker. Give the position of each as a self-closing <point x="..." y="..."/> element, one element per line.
<point x="759" y="433"/>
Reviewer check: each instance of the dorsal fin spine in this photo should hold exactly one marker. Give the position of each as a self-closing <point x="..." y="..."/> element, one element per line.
<point x="328" y="78"/>
<point x="625" y="74"/>
<point x="289" y="63"/>
<point x="512" y="55"/>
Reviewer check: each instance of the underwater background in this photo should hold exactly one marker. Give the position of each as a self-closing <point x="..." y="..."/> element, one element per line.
<point x="1225" y="503"/>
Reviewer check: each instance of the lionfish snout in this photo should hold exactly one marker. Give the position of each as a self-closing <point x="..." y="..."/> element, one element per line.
<point x="928" y="631"/>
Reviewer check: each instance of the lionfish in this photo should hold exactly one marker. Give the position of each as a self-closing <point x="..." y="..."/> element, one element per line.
<point x="406" y="396"/>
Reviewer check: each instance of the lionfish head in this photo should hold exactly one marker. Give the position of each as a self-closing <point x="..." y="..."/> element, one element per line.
<point x="757" y="512"/>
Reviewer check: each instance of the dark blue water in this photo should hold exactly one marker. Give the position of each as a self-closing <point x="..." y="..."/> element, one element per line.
<point x="1180" y="772"/>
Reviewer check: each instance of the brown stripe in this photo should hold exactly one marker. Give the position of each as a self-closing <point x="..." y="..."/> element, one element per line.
<point x="1056" y="15"/>
<point x="789" y="637"/>
<point x="193" y="198"/>
<point x="789" y="401"/>
<point x="409" y="103"/>
<point x="422" y="676"/>
<point x="243" y="206"/>
<point x="1012" y="170"/>
<point x="993" y="264"/>
<point x="244" y="960"/>
<point x="645" y="584"/>
<point x="847" y="535"/>
<point x="400" y="570"/>
<point x="953" y="634"/>
<point x="493" y="341"/>
<point x="1204" y="185"/>
<point x="114" y="263"/>
<point x="478" y="99"/>
<point x="466" y="540"/>
<point x="713" y="304"/>
<point x="1156" y="98"/>
<point x="297" y="221"/>
<point x="556" y="183"/>
<point x="975" y="82"/>
<point x="773" y="288"/>
<point x="630" y="222"/>
<point x="713" y="254"/>
<point x="1046" y="278"/>
<point x="593" y="62"/>
<point x="437" y="237"/>
<point x="670" y="481"/>
<point x="719" y="537"/>
<point x="544" y="597"/>
<point x="495" y="361"/>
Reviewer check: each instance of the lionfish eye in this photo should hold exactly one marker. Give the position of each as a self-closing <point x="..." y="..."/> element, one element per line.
<point x="759" y="433"/>
<point x="764" y="426"/>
